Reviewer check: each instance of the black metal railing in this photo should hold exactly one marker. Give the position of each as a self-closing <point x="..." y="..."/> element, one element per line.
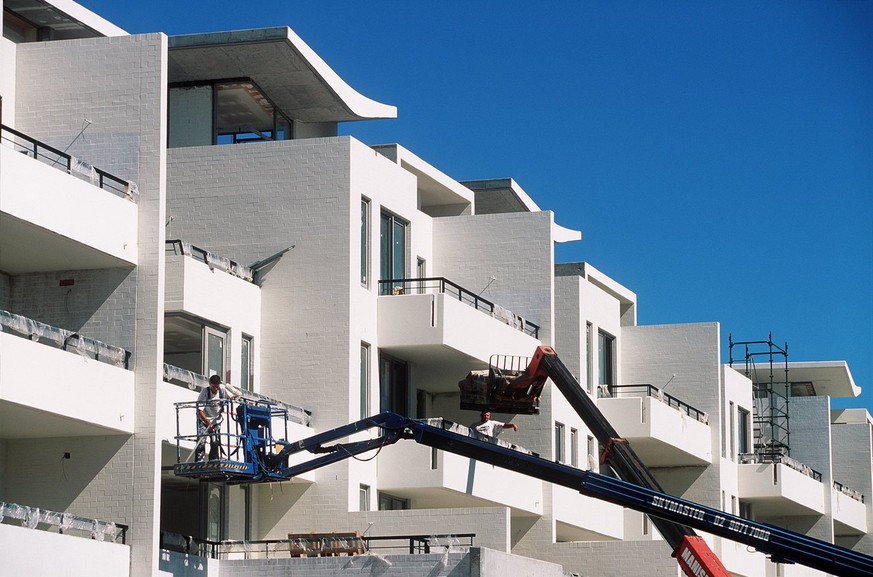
<point x="656" y="393"/>
<point x="63" y="339"/>
<point x="445" y="286"/>
<point x="63" y="523"/>
<point x="51" y="156"/>
<point x="278" y="548"/>
<point x="180" y="247"/>
<point x="856" y="495"/>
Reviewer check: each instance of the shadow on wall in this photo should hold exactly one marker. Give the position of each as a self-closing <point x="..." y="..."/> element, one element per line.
<point x="64" y="474"/>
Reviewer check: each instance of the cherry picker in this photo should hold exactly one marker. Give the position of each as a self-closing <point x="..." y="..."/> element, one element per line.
<point x="254" y="456"/>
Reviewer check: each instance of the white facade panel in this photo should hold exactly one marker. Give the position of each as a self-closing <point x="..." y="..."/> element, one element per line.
<point x="44" y="554"/>
<point x="66" y="384"/>
<point x="408" y="466"/>
<point x="51" y="199"/>
<point x="593" y="519"/>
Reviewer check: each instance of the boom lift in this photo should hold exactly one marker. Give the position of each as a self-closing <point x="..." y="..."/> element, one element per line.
<point x="511" y="387"/>
<point x="264" y="459"/>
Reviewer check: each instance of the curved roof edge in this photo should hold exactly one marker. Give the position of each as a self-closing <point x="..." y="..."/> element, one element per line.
<point x="564" y="234"/>
<point x="357" y="103"/>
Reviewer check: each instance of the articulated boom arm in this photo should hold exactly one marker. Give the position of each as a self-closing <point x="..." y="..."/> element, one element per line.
<point x="784" y="545"/>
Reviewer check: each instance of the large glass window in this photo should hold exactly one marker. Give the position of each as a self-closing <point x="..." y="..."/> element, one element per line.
<point x="606" y="358"/>
<point x="391" y="503"/>
<point x="392" y="248"/>
<point x="393" y="385"/>
<point x="195" y="346"/>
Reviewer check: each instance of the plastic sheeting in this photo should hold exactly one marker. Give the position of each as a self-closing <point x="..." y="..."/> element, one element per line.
<point x="213" y="260"/>
<point x="62" y="339"/>
<point x="33" y="517"/>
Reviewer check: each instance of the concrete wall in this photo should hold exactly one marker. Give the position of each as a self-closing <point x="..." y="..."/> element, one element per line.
<point x="653" y="354"/>
<point x="119" y="84"/>
<point x="852" y="454"/>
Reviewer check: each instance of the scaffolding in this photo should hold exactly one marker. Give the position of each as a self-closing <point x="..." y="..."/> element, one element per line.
<point x="770" y="395"/>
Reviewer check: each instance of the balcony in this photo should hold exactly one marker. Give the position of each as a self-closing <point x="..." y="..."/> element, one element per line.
<point x="57" y="383"/>
<point x="80" y="546"/>
<point x="193" y="287"/>
<point x="780" y="486"/>
<point x="664" y="431"/>
<point x="849" y="511"/>
<point x="58" y="213"/>
<point x="582" y="518"/>
<point x="435" y="322"/>
<point x="434" y="479"/>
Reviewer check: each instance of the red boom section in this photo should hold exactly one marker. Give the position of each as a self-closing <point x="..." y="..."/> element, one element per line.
<point x="696" y="559"/>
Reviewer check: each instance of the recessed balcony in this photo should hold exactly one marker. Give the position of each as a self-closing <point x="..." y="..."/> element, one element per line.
<point x="435" y="322"/>
<point x="59" y="384"/>
<point x="779" y="488"/>
<point x="434" y="479"/>
<point x="59" y="213"/>
<point x="663" y="431"/>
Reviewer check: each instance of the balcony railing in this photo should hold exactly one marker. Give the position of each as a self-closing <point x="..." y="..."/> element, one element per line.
<point x="179" y="247"/>
<point x="656" y="393"/>
<point x="445" y="286"/>
<point x="63" y="523"/>
<point x="196" y="382"/>
<point x="51" y="156"/>
<point x="63" y="339"/>
<point x="277" y="548"/>
<point x="856" y="495"/>
<point x="765" y="457"/>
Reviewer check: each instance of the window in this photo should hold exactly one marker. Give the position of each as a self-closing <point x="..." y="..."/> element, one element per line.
<point x="364" y="498"/>
<point x="391" y="503"/>
<point x="393" y="385"/>
<point x="574" y="448"/>
<point x="224" y="112"/>
<point x="559" y="442"/>
<point x="247" y="372"/>
<point x="593" y="455"/>
<point x="744" y="444"/>
<point x="365" y="380"/>
<point x="392" y="248"/>
<point x="589" y="356"/>
<point x="733" y="431"/>
<point x="746" y="510"/>
<point x="365" y="242"/>
<point x="606" y="358"/>
<point x="193" y="345"/>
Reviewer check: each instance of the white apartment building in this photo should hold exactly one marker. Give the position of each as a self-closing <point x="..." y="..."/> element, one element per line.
<point x="177" y="207"/>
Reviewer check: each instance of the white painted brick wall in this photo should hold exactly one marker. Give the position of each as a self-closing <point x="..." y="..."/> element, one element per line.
<point x="119" y="84"/>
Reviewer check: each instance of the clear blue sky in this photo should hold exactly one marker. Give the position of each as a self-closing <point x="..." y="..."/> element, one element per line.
<point x="717" y="156"/>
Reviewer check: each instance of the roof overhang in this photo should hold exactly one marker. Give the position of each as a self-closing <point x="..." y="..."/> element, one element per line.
<point x="289" y="72"/>
<point x="828" y="378"/>
<point x="65" y="18"/>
